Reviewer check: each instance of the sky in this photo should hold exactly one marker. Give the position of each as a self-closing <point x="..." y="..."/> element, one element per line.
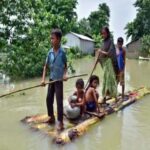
<point x="121" y="12"/>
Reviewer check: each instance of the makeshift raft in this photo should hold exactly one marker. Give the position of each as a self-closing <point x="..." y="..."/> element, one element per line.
<point x="74" y="129"/>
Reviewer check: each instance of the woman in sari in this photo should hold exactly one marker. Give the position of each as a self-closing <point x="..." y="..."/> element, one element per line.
<point x="108" y="60"/>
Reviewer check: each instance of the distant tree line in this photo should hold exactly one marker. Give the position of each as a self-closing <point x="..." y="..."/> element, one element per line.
<point x="25" y="30"/>
<point x="139" y="28"/>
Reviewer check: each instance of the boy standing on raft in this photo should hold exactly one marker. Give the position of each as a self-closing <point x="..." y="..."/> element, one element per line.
<point x="121" y="58"/>
<point x="57" y="62"/>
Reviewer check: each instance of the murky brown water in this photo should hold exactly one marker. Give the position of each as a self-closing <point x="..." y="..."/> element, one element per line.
<point x="126" y="130"/>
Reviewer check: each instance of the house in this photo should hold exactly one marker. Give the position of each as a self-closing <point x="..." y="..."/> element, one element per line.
<point x="85" y="44"/>
<point x="133" y="49"/>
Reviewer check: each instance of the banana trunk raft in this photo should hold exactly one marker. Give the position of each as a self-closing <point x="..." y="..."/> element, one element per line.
<point x="74" y="129"/>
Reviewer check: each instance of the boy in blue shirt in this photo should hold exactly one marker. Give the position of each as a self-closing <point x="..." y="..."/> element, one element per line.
<point x="57" y="62"/>
<point x="121" y="58"/>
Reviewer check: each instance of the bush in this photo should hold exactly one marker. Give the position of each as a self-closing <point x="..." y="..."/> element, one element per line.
<point x="145" y="45"/>
<point x="98" y="40"/>
<point x="74" y="53"/>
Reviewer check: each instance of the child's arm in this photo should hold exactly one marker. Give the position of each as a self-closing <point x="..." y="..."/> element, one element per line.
<point x="45" y="70"/>
<point x="95" y="98"/>
<point x="44" y="74"/>
<point x="69" y="99"/>
<point x="65" y="72"/>
<point x="65" y="67"/>
<point x="81" y="103"/>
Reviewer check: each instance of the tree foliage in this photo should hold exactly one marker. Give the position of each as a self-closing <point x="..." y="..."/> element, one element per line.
<point x="140" y="26"/>
<point x="83" y="27"/>
<point x="100" y="18"/>
<point x="98" y="40"/>
<point x="25" y="28"/>
<point x="146" y="45"/>
<point x="93" y="24"/>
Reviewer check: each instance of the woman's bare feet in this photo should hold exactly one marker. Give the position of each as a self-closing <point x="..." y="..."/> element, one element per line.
<point x="60" y="126"/>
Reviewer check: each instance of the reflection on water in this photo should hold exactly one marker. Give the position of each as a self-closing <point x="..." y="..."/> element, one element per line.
<point x="126" y="130"/>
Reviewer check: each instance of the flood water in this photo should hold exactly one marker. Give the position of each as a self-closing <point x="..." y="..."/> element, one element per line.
<point x="126" y="130"/>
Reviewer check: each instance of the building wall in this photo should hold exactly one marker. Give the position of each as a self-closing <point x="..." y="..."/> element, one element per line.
<point x="72" y="40"/>
<point x="87" y="46"/>
<point x="133" y="49"/>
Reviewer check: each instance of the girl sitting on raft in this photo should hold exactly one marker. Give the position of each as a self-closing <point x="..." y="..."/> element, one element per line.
<point x="76" y="102"/>
<point x="91" y="95"/>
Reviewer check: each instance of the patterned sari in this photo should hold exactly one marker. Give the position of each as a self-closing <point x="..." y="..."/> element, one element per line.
<point x="110" y="68"/>
<point x="109" y="79"/>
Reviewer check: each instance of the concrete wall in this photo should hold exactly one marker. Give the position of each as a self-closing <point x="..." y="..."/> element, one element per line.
<point x="133" y="49"/>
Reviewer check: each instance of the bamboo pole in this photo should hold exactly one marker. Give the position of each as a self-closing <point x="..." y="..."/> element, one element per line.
<point x="39" y="85"/>
<point x="92" y="70"/>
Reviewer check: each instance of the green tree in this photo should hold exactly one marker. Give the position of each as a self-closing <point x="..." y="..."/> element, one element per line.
<point x="140" y="26"/>
<point x="84" y="26"/>
<point x="98" y="40"/>
<point x="14" y="21"/>
<point x="146" y="45"/>
<point x="100" y="18"/>
<point x="26" y="25"/>
<point x="94" y="23"/>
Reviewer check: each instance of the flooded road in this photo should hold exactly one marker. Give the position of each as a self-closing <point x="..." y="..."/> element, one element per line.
<point x="129" y="129"/>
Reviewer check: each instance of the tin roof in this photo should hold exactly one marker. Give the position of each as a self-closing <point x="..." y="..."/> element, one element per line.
<point x="83" y="37"/>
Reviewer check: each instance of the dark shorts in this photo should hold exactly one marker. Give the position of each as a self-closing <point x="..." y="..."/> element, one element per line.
<point x="90" y="106"/>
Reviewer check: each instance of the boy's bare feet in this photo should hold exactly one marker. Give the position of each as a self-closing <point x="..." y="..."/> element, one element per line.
<point x="51" y="120"/>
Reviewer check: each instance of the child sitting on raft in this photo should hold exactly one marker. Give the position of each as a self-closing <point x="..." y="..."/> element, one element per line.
<point x="76" y="102"/>
<point x="91" y="95"/>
